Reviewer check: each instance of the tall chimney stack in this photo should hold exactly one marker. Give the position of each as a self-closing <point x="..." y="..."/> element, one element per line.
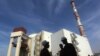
<point x="80" y="26"/>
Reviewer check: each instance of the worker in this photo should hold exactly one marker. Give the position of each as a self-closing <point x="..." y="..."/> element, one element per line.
<point x="44" y="51"/>
<point x="68" y="49"/>
<point x="61" y="51"/>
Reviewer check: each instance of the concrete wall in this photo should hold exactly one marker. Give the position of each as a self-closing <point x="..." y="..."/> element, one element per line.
<point x="47" y="36"/>
<point x="83" y="44"/>
<point x="32" y="44"/>
<point x="54" y="39"/>
<point x="44" y="35"/>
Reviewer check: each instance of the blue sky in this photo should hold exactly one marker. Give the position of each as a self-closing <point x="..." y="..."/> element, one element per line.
<point x="49" y="15"/>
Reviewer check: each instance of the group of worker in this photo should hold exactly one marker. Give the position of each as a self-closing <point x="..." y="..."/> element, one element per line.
<point x="66" y="50"/>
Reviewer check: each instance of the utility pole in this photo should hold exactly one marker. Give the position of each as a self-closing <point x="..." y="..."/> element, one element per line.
<point x="80" y="25"/>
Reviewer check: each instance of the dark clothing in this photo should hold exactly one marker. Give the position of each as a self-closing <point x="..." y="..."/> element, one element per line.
<point x="61" y="52"/>
<point x="69" y="50"/>
<point x="44" y="52"/>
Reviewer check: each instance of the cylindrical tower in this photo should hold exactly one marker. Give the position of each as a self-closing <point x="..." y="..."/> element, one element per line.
<point x="80" y="26"/>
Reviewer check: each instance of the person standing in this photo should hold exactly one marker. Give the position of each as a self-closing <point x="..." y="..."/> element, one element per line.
<point x="61" y="51"/>
<point x="44" y="51"/>
<point x="68" y="49"/>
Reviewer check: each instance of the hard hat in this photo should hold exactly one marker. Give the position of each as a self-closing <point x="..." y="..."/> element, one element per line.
<point x="45" y="42"/>
<point x="63" y="38"/>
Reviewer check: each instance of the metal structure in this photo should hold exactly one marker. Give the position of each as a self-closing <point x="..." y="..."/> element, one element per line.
<point x="80" y="25"/>
<point x="19" y="41"/>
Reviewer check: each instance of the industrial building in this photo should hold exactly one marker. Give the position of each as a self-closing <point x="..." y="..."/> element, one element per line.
<point x="32" y="43"/>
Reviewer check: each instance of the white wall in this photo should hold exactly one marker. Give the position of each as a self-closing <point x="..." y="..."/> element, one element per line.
<point x="84" y="46"/>
<point x="32" y="36"/>
<point x="47" y="36"/>
<point x="83" y="42"/>
<point x="55" y="39"/>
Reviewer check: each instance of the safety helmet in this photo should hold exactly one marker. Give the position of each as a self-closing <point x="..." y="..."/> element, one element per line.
<point x="63" y="38"/>
<point x="45" y="42"/>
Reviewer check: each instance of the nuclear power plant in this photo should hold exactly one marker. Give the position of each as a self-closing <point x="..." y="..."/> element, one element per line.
<point x="22" y="44"/>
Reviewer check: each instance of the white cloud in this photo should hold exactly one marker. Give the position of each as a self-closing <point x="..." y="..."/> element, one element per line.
<point x="3" y="49"/>
<point x="92" y="25"/>
<point x="26" y="19"/>
<point x="60" y="5"/>
<point x="3" y="33"/>
<point x="92" y="16"/>
<point x="93" y="29"/>
<point x="93" y="33"/>
<point x="84" y="3"/>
